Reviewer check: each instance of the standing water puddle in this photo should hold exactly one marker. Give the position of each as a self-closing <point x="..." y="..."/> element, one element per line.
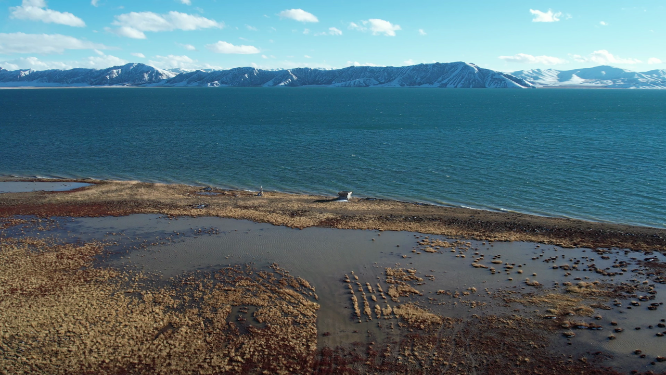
<point x="450" y="285"/>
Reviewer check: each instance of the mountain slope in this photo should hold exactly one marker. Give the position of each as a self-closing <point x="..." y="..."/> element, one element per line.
<point x="600" y="76"/>
<point x="126" y="75"/>
<point x="449" y="75"/>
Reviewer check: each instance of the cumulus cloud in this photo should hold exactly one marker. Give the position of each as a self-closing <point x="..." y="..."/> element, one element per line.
<point x="251" y="28"/>
<point x="179" y="62"/>
<point x="331" y="31"/>
<point x="228" y="48"/>
<point x="298" y="15"/>
<point x="376" y="26"/>
<point x="134" y="24"/>
<point x="188" y="47"/>
<point x="334" y="31"/>
<point x="138" y="54"/>
<point x="102" y="61"/>
<point x="36" y="10"/>
<point x="43" y="43"/>
<point x="549" y="16"/>
<point x="171" y="62"/>
<point x="186" y="2"/>
<point x="654" y="60"/>
<point x="356" y="63"/>
<point x="409" y="62"/>
<point x="94" y="3"/>
<point x="306" y="31"/>
<point x="602" y="23"/>
<point x="525" y="58"/>
<point x="33" y="63"/>
<point x="605" y="57"/>
<point x="422" y="32"/>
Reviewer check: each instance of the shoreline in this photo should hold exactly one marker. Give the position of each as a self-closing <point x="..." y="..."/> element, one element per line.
<point x="121" y="198"/>
<point x="223" y="187"/>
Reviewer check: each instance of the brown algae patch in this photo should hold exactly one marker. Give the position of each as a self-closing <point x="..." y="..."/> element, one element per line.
<point x="60" y="315"/>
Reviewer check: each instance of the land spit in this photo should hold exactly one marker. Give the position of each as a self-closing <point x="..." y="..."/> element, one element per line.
<point x="116" y="198"/>
<point x="76" y="299"/>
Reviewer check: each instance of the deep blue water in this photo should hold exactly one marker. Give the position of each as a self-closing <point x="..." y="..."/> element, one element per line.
<point x="591" y="154"/>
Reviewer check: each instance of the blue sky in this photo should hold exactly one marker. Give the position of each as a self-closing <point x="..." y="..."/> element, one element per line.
<point x="501" y="35"/>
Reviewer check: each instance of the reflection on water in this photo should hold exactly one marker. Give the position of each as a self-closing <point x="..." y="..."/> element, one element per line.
<point x="171" y="247"/>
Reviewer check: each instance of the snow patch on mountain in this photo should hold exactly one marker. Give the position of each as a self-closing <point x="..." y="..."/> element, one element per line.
<point x="444" y="75"/>
<point x="601" y="76"/>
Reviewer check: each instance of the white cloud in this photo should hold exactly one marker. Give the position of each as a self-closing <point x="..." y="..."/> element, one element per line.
<point x="33" y="63"/>
<point x="94" y="3"/>
<point x="355" y="26"/>
<point x="43" y="43"/>
<point x="409" y="62"/>
<point x="605" y="57"/>
<point x="356" y="63"/>
<point x="102" y="61"/>
<point x="186" y="2"/>
<point x="529" y="59"/>
<point x="307" y="57"/>
<point x="654" y="60"/>
<point x="549" y="16"/>
<point x="331" y="31"/>
<point x="376" y="26"/>
<point x="179" y="62"/>
<point x="334" y="31"/>
<point x="127" y="32"/>
<point x="35" y="10"/>
<point x="138" y="54"/>
<point x="264" y="56"/>
<point x="134" y="24"/>
<point x="251" y="28"/>
<point x="306" y="31"/>
<point x="602" y="23"/>
<point x="298" y="15"/>
<point x="188" y="47"/>
<point x="172" y="61"/>
<point x="422" y="32"/>
<point x="228" y="48"/>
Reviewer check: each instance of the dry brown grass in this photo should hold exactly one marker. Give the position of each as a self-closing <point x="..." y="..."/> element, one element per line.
<point x="557" y="303"/>
<point x="59" y="315"/>
<point x="126" y="197"/>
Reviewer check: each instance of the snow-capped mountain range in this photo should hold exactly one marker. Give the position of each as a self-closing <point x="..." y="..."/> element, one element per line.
<point x="444" y="75"/>
<point x="601" y="76"/>
<point x="453" y="75"/>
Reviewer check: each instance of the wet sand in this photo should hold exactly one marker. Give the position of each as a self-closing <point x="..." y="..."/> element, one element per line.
<point x="165" y="287"/>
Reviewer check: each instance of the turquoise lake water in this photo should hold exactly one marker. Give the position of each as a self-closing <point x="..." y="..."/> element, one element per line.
<point x="591" y="154"/>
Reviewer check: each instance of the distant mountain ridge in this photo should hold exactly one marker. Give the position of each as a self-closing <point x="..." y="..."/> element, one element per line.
<point x="445" y="75"/>
<point x="126" y="75"/>
<point x="601" y="76"/>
